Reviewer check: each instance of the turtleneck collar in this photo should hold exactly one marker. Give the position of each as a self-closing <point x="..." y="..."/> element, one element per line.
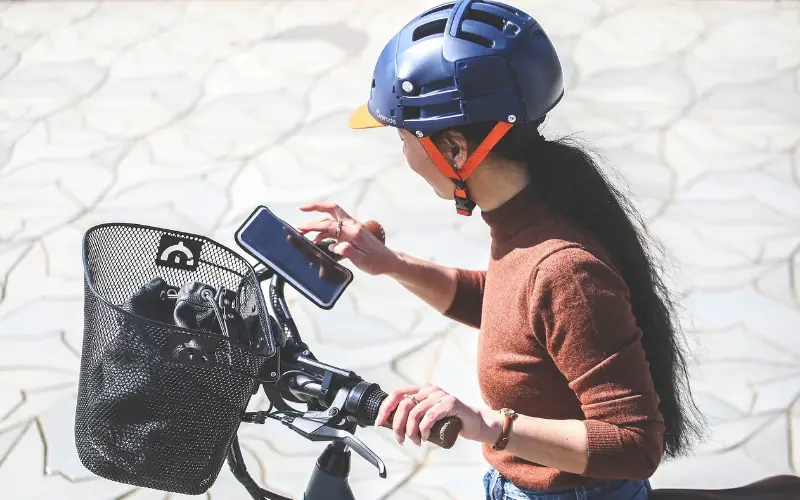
<point x="522" y="210"/>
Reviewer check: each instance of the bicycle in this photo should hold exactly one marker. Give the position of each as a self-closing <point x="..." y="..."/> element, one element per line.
<point x="160" y="400"/>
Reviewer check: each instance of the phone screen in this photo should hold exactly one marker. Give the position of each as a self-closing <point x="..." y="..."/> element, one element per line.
<point x="294" y="257"/>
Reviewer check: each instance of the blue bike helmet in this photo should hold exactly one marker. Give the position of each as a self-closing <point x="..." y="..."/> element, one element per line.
<point x="459" y="63"/>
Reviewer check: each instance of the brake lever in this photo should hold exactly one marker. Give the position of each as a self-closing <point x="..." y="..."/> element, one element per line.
<point x="315" y="430"/>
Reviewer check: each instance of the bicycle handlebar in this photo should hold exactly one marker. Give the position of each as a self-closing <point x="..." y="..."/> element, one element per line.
<point x="362" y="400"/>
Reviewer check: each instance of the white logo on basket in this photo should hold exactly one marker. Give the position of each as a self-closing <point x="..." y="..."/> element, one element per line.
<point x="175" y="249"/>
<point x="192" y="346"/>
<point x="191" y="352"/>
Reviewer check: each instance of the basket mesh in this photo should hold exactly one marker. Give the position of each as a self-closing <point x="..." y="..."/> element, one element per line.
<point x="144" y="418"/>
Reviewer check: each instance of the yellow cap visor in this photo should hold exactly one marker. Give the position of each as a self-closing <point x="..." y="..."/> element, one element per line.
<point x="362" y="119"/>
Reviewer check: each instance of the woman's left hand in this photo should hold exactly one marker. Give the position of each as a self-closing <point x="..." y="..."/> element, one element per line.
<point x="415" y="419"/>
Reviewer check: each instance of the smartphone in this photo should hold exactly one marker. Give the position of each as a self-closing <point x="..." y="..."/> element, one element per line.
<point x="309" y="269"/>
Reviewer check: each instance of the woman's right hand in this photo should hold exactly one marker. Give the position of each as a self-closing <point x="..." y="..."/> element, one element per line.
<point x="355" y="242"/>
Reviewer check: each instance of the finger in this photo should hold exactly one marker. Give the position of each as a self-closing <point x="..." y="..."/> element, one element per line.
<point x="328" y="208"/>
<point x="418" y="412"/>
<point x="322" y="226"/>
<point x="390" y="403"/>
<point x="442" y="408"/>
<point x="423" y="391"/>
<point x="387" y="407"/>
<point x="346" y="250"/>
<point x="399" y="423"/>
<point x="319" y="237"/>
<point x="350" y="230"/>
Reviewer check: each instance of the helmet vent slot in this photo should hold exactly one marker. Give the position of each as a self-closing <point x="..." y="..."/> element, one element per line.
<point x="474" y="38"/>
<point x="446" y="83"/>
<point x="411" y="113"/>
<point x="435" y="27"/>
<point x="486" y="18"/>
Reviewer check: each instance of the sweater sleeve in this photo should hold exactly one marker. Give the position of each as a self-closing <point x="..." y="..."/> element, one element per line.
<point x="583" y="317"/>
<point x="468" y="300"/>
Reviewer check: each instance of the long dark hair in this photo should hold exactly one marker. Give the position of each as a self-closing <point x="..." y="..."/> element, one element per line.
<point x="569" y="180"/>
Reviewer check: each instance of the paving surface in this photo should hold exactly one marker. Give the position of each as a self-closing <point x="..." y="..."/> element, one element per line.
<point x="187" y="115"/>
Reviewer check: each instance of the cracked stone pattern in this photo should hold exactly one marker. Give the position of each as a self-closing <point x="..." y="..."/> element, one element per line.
<point x="188" y="114"/>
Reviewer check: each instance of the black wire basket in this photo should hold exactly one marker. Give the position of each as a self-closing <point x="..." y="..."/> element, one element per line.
<point x="176" y="337"/>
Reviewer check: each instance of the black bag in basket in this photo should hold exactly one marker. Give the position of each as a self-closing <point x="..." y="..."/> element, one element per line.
<point x="175" y="338"/>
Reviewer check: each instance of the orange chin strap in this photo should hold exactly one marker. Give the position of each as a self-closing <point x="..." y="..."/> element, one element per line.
<point x="464" y="205"/>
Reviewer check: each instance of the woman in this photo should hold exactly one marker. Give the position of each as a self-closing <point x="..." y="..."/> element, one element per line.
<point x="578" y="355"/>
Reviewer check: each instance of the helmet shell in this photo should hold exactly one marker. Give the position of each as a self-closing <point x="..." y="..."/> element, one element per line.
<point x="463" y="62"/>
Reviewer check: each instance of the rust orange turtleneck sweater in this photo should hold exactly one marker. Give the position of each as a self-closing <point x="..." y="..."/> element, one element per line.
<point x="558" y="340"/>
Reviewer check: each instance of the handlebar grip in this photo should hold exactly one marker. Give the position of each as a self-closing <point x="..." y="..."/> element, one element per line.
<point x="444" y="432"/>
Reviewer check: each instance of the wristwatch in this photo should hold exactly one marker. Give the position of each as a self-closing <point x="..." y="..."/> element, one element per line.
<point x="509" y="415"/>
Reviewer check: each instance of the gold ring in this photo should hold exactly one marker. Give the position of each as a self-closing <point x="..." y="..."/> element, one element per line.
<point x="339" y="224"/>
<point x="412" y="398"/>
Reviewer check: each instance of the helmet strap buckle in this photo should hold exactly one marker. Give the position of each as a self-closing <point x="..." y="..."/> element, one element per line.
<point x="464" y="205"/>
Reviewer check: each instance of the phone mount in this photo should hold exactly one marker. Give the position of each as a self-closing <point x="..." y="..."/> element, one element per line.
<point x="311" y="269"/>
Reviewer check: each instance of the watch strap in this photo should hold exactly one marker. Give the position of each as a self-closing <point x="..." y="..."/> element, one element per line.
<point x="502" y="441"/>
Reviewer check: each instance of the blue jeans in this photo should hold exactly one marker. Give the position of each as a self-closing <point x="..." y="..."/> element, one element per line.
<point x="499" y="488"/>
